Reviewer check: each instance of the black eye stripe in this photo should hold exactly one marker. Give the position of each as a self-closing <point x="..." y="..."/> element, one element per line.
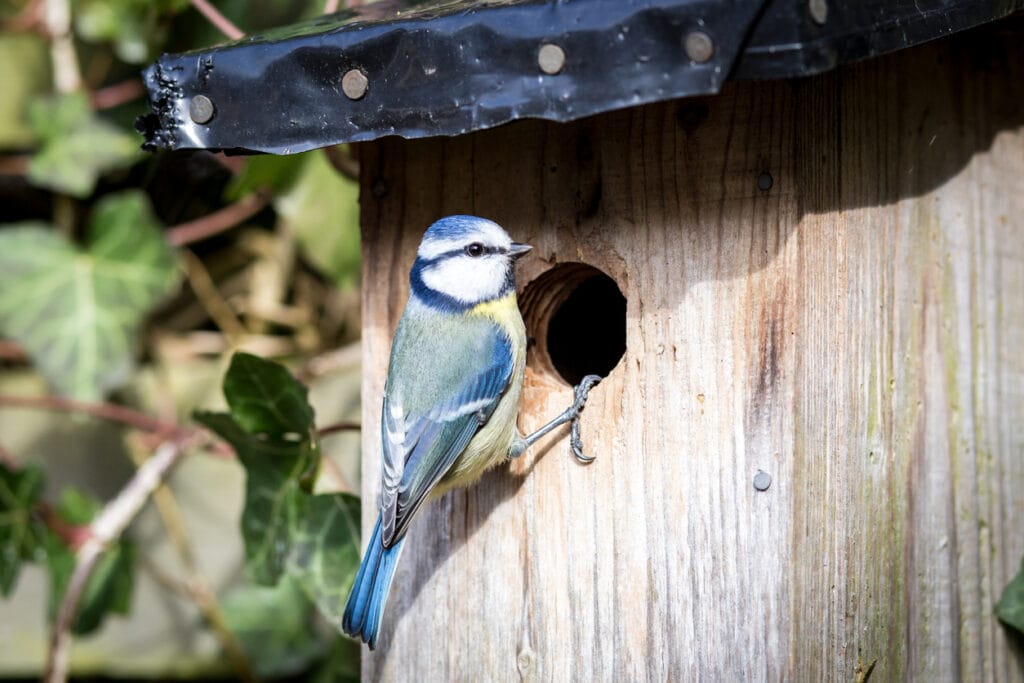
<point x="460" y="252"/>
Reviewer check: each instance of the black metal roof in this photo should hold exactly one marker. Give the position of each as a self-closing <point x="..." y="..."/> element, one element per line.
<point x="420" y="69"/>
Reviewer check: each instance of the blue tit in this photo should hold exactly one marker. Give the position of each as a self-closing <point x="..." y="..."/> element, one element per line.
<point x="452" y="393"/>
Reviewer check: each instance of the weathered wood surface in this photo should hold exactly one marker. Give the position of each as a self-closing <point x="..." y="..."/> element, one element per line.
<point x="856" y="331"/>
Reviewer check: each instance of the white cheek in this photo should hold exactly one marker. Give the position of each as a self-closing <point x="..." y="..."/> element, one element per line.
<point x="467" y="279"/>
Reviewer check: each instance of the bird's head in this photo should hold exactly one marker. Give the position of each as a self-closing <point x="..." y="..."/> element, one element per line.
<point x="463" y="261"/>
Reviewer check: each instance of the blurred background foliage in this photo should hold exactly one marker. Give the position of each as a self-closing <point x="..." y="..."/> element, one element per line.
<point x="128" y="281"/>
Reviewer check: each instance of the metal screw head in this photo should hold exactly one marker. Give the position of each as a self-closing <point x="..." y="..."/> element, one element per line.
<point x="380" y="188"/>
<point x="765" y="181"/>
<point x="699" y="46"/>
<point x="551" y="59"/>
<point x="762" y="480"/>
<point x="201" y="109"/>
<point x="354" y="84"/>
<point x="819" y="11"/>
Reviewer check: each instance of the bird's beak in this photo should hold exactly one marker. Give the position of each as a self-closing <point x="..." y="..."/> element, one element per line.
<point x="518" y="249"/>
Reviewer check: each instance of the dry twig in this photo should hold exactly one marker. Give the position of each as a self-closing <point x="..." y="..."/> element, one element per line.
<point x="117" y="94"/>
<point x="67" y="76"/>
<point x="338" y="427"/>
<point x="196" y="585"/>
<point x="216" y="222"/>
<point x="220" y="22"/>
<point x="106" y="411"/>
<point x="105" y="530"/>
<point x="210" y="298"/>
<point x="10" y="350"/>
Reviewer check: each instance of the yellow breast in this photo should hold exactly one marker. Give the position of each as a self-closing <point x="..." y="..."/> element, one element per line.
<point x="490" y="445"/>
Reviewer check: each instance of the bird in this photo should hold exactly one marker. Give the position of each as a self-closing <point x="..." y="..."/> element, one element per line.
<point x="451" y="397"/>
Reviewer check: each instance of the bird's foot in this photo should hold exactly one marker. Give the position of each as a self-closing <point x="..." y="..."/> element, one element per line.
<point x="571" y="414"/>
<point x="581" y="392"/>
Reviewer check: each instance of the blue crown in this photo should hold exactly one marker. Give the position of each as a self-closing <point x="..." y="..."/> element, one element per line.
<point x="455" y="227"/>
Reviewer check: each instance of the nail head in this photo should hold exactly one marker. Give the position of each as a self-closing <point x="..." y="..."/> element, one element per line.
<point x="819" y="11"/>
<point x="354" y="84"/>
<point x="551" y="59"/>
<point x="762" y="480"/>
<point x="379" y="188"/>
<point x="201" y="109"/>
<point x="765" y="181"/>
<point x="699" y="46"/>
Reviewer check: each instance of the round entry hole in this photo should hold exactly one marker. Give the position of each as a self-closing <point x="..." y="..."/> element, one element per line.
<point x="576" y="320"/>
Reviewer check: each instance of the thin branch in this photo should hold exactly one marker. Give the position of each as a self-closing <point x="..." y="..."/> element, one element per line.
<point x="30" y="18"/>
<point x="106" y="529"/>
<point x="117" y="94"/>
<point x="220" y="22"/>
<point x="197" y="586"/>
<point x="210" y="298"/>
<point x="164" y="578"/>
<point x="331" y="361"/>
<point x="106" y="411"/>
<point x="339" y="427"/>
<point x="14" y="164"/>
<point x="73" y="535"/>
<point x="63" y="216"/>
<point x="60" y="639"/>
<point x="235" y="164"/>
<point x="155" y="427"/>
<point x="10" y="350"/>
<point x="67" y="75"/>
<point x="216" y="222"/>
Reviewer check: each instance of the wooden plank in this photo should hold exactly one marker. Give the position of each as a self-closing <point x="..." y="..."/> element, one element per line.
<point x="855" y="331"/>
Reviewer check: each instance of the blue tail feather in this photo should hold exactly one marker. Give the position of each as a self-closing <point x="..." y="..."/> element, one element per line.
<point x="365" y="609"/>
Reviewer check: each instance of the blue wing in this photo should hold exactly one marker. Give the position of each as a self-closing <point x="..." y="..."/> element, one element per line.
<point x="463" y="379"/>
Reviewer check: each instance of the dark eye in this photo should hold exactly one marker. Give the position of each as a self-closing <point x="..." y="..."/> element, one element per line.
<point x="475" y="249"/>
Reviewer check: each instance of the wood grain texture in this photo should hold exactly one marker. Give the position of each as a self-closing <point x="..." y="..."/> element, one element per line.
<point x="856" y="331"/>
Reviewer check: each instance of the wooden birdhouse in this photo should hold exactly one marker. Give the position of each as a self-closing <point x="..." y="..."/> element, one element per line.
<point x="805" y="292"/>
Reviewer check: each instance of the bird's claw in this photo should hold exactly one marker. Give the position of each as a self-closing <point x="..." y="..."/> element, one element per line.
<point x="575" y="440"/>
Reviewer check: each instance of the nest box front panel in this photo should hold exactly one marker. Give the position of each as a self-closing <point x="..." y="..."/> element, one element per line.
<point x="781" y="284"/>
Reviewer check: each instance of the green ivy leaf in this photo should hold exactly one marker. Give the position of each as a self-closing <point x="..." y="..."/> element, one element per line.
<point x="111" y="584"/>
<point x="288" y="531"/>
<point x="268" y="172"/>
<point x="78" y="312"/>
<point x="21" y="535"/>
<point x="1010" y="608"/>
<point x="269" y="428"/>
<point x="275" y="626"/>
<point x="325" y="551"/>
<point x="76" y="507"/>
<point x="273" y="494"/>
<point x="265" y="399"/>
<point x="134" y="27"/>
<point x="77" y="146"/>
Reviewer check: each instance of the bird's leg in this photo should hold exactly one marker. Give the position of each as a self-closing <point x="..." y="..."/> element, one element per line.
<point x="571" y="414"/>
